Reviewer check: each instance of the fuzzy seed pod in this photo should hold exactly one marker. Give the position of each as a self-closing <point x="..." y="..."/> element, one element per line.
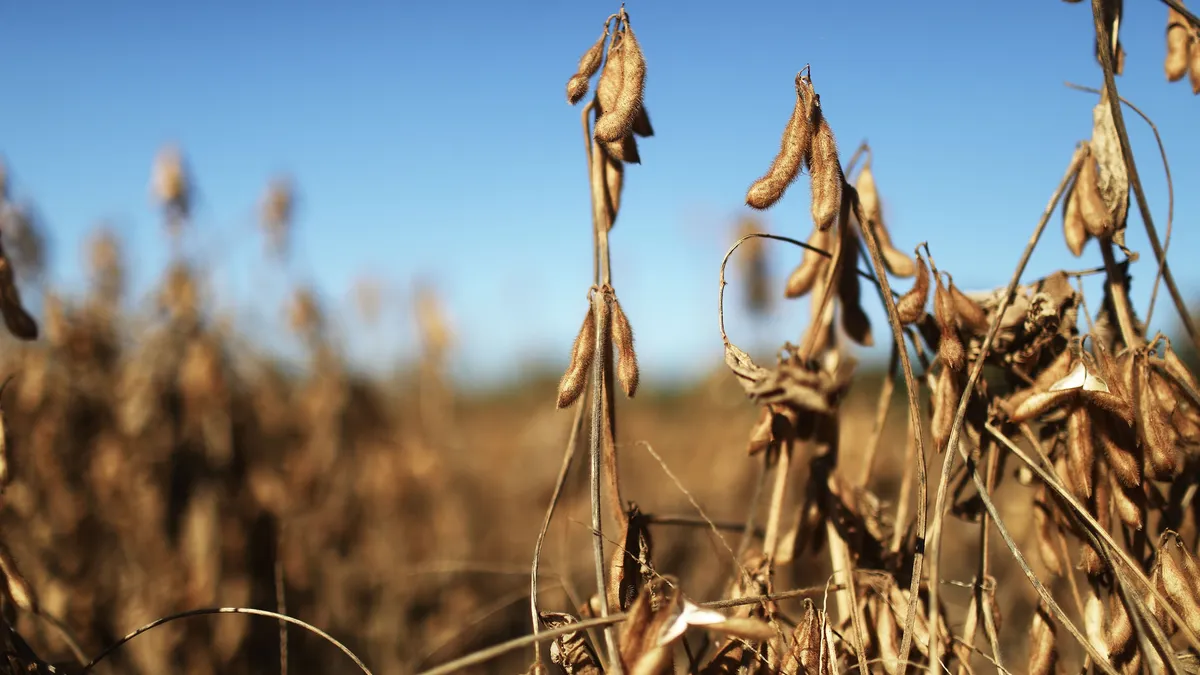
<point x="849" y="290"/>
<point x="1130" y="505"/>
<point x="1179" y="588"/>
<point x="1158" y="436"/>
<point x="950" y="347"/>
<point x="1074" y="230"/>
<point x="1081" y="453"/>
<point x="1157" y="609"/>
<point x="1045" y="526"/>
<point x="1096" y="215"/>
<point x="946" y="393"/>
<point x="582" y="353"/>
<point x="1194" y="65"/>
<point x="897" y="262"/>
<point x="622" y="339"/>
<point x="617" y="121"/>
<point x="589" y="63"/>
<point x="1175" y="366"/>
<point x="1178" y="41"/>
<point x="577" y="88"/>
<point x="1101" y="502"/>
<point x="1120" y="631"/>
<point x="1043" y="648"/>
<point x="1120" y="450"/>
<point x="826" y="170"/>
<point x="971" y="316"/>
<point x="797" y="136"/>
<point x="812" y="265"/>
<point x="911" y="305"/>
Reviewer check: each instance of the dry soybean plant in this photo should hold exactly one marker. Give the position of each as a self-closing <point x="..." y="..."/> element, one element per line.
<point x="1095" y="422"/>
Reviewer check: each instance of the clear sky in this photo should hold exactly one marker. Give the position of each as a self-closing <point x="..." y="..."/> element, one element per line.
<point x="433" y="140"/>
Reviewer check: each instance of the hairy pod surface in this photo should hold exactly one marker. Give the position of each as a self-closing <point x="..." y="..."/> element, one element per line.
<point x="812" y="265"/>
<point x="826" y="170"/>
<point x="1096" y="217"/>
<point x="1074" y="229"/>
<point x="793" y="147"/>
<point x="622" y="339"/>
<point x="617" y="121"/>
<point x="582" y="353"/>
<point x="911" y="305"/>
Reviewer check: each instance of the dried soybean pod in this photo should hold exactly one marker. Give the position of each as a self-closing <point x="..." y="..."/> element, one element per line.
<point x="1097" y="217"/>
<point x="1175" y="366"/>
<point x="582" y="353"/>
<point x="826" y="169"/>
<point x="849" y="290"/>
<point x="970" y="314"/>
<point x="950" y="347"/>
<point x="897" y="262"/>
<point x="590" y="62"/>
<point x="1178" y="39"/>
<point x="1120" y="450"/>
<point x="577" y="88"/>
<point x="617" y="122"/>
<point x="812" y="266"/>
<point x="1158" y="436"/>
<point x="622" y="339"/>
<point x="911" y="305"/>
<point x="943" y="402"/>
<point x="1046" y="527"/>
<point x="797" y="136"/>
<point x="1131" y="505"/>
<point x="1081" y="453"/>
<point x="1043" y="647"/>
<point x="1179" y="588"/>
<point x="1074" y="230"/>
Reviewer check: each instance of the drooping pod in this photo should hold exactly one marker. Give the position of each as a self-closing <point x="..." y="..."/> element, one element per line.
<point x="589" y="63"/>
<point x="950" y="347"/>
<point x="897" y="262"/>
<point x="826" y="169"/>
<point x="1074" y="230"/>
<point x="1179" y="39"/>
<point x="793" y="147"/>
<point x="812" y="266"/>
<point x="582" y="353"/>
<point x="911" y="305"/>
<point x="622" y="339"/>
<point x="617" y="121"/>
<point x="1095" y="212"/>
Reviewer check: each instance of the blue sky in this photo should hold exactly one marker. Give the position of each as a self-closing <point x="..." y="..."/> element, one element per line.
<point x="433" y="140"/>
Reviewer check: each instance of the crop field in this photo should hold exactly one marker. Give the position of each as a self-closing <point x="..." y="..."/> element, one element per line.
<point x="1012" y="489"/>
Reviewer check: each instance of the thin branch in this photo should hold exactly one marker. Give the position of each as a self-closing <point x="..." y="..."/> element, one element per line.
<point x="228" y="610"/>
<point x="1114" y="101"/>
<point x="568" y="457"/>
<point x="914" y="416"/>
<point x="972" y="379"/>
<point x="1178" y="7"/>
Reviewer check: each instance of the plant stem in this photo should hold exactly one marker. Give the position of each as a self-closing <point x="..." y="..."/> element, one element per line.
<point x="1114" y="101"/>
<point x="568" y="457"/>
